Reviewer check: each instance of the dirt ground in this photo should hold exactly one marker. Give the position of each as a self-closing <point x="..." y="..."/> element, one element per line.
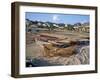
<point x="35" y="50"/>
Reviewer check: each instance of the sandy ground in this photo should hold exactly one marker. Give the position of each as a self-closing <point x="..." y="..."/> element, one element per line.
<point x="35" y="51"/>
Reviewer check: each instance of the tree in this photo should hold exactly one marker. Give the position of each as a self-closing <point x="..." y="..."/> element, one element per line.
<point x="70" y="27"/>
<point x="50" y="26"/>
<point x="28" y="23"/>
<point x="78" y="24"/>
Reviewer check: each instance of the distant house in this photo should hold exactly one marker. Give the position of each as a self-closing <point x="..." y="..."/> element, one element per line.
<point x="56" y="25"/>
<point x="86" y="28"/>
<point x="82" y="28"/>
<point x="66" y="25"/>
<point x="39" y="24"/>
<point x="44" y="25"/>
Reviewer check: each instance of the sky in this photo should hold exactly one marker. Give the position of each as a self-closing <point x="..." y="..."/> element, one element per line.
<point x="57" y="18"/>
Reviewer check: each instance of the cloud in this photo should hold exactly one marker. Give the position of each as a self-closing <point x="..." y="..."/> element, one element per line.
<point x="55" y="18"/>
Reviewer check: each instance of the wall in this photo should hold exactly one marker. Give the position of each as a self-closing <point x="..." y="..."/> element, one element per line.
<point x="5" y="40"/>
